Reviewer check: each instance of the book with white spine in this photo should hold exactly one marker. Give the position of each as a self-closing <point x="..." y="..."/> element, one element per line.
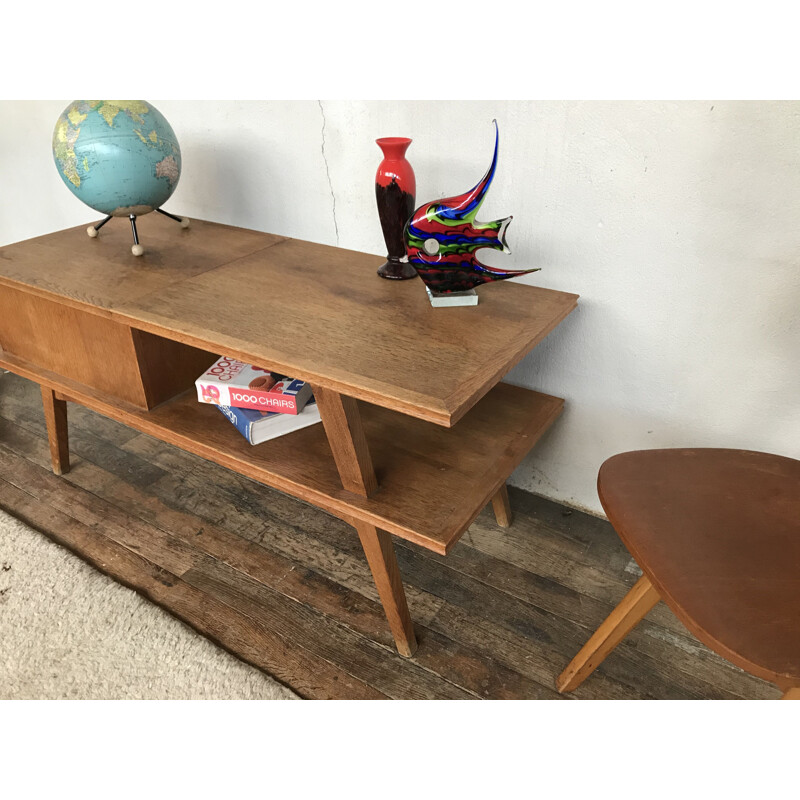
<point x="259" y="426"/>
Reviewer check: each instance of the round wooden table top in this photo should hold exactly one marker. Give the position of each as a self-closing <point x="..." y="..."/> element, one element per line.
<point x="717" y="532"/>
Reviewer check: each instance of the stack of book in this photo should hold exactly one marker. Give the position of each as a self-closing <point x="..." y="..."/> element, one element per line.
<point x="261" y="404"/>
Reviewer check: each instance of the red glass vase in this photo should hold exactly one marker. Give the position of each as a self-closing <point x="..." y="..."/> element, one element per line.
<point x="395" y="190"/>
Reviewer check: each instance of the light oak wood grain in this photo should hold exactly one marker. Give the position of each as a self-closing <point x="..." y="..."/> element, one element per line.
<point x="138" y="367"/>
<point x="77" y="344"/>
<point x="340" y="327"/>
<point x="382" y="562"/>
<point x="502" y="507"/>
<point x="311" y="311"/>
<point x="55" y="415"/>
<point x="347" y="441"/>
<point x="96" y="275"/>
<point x="631" y="610"/>
<point x="433" y="481"/>
<point x="167" y="368"/>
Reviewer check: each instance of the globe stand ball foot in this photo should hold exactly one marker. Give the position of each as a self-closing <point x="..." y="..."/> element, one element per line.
<point x="93" y="229"/>
<point x="137" y="249"/>
<point x="184" y="221"/>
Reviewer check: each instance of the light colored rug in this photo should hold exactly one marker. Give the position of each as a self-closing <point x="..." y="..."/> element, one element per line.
<point x="70" y="632"/>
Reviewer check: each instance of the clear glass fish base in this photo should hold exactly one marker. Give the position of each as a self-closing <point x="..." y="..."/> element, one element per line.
<point x="469" y="298"/>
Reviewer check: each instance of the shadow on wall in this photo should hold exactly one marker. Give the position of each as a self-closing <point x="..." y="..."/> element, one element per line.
<point x="225" y="187"/>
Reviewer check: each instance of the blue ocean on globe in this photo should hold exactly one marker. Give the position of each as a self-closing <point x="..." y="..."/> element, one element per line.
<point x="120" y="157"/>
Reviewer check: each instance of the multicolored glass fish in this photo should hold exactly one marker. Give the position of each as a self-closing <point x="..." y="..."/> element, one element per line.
<point x="442" y="238"/>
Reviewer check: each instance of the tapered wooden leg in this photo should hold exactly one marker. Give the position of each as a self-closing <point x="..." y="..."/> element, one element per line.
<point x="55" y="415"/>
<point x="379" y="550"/>
<point x="632" y="608"/>
<point x="792" y="694"/>
<point x="502" y="507"/>
<point x="342" y="422"/>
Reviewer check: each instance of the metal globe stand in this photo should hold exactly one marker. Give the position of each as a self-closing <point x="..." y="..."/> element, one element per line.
<point x="136" y="248"/>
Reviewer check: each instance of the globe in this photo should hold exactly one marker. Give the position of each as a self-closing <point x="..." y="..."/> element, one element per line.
<point x="120" y="157"/>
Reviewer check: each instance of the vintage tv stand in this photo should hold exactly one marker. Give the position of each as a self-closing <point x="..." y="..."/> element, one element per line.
<point x="127" y="336"/>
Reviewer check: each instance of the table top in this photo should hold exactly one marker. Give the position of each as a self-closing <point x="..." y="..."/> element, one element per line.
<point x="718" y="534"/>
<point x="312" y="311"/>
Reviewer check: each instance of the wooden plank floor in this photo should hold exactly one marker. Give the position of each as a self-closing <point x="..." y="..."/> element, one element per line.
<point x="286" y="587"/>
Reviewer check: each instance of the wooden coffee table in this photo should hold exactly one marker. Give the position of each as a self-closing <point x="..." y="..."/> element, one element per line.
<point x="127" y="336"/>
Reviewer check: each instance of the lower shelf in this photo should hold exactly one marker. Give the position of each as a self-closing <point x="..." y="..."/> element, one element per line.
<point x="433" y="481"/>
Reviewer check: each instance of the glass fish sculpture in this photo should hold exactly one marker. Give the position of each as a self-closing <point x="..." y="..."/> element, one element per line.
<point x="442" y="239"/>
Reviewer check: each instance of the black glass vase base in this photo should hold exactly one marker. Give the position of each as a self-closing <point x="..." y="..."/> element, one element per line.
<point x="396" y="270"/>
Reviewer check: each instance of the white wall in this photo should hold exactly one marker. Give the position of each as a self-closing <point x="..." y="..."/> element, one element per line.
<point x="677" y="223"/>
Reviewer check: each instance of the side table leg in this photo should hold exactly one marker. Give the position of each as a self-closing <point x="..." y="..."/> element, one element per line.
<point x="55" y="415"/>
<point x="380" y="555"/>
<point x="630" y="611"/>
<point x="502" y="507"/>
<point x="342" y="422"/>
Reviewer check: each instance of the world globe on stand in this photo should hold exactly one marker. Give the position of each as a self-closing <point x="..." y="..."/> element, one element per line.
<point x="120" y="157"/>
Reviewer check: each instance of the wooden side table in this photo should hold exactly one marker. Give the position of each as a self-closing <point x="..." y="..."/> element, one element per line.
<point x="127" y="336"/>
<point x="717" y="535"/>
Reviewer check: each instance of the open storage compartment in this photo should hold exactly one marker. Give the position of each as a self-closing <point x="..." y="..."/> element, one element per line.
<point x="115" y="359"/>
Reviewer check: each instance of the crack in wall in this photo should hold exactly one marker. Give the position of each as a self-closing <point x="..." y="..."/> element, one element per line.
<point x="328" y="171"/>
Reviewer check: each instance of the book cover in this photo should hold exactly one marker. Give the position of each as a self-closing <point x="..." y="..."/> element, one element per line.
<point x="260" y="426"/>
<point x="232" y="383"/>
